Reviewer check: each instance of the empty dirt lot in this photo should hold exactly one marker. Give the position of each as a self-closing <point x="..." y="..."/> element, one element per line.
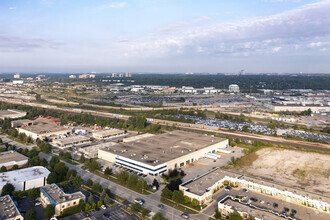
<point x="309" y="171"/>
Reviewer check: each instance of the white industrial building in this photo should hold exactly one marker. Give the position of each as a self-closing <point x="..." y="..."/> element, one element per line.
<point x="234" y="88"/>
<point x="24" y="179"/>
<point x="164" y="152"/>
<point x="10" y="158"/>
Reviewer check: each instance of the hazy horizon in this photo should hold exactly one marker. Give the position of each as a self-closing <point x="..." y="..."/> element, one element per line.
<point x="172" y="36"/>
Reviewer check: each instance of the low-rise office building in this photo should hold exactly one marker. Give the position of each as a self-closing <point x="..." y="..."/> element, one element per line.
<point x="110" y="133"/>
<point x="11" y="113"/>
<point x="10" y="158"/>
<point x="92" y="151"/>
<point x="8" y="209"/>
<point x="24" y="179"/>
<point x="43" y="131"/>
<point x="203" y="187"/>
<point x="70" y="141"/>
<point x="161" y="153"/>
<point x="54" y="195"/>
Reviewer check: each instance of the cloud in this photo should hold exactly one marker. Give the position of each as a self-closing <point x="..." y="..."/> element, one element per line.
<point x="257" y="35"/>
<point x="113" y="5"/>
<point x="12" y="8"/>
<point x="276" y="49"/>
<point x="17" y="44"/>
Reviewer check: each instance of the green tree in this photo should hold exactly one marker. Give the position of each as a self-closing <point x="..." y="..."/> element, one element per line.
<point x="178" y="196"/>
<point x="107" y="171"/>
<point x="77" y="181"/>
<point x="89" y="183"/>
<point x="158" y="216"/>
<point x="61" y="170"/>
<point x="235" y="216"/>
<point x="245" y="128"/>
<point x="93" y="165"/>
<point x="97" y="187"/>
<point x="90" y="199"/>
<point x="34" y="193"/>
<point x="49" y="211"/>
<point x="31" y="215"/>
<point x="7" y="189"/>
<point x="3" y="169"/>
<point x="194" y="203"/>
<point x="103" y="194"/>
<point x="81" y="204"/>
<point x="123" y="176"/>
<point x="82" y="158"/>
<point x="15" y="167"/>
<point x="186" y="199"/>
<point x="99" y="203"/>
<point x="52" y="178"/>
<point x="107" y="199"/>
<point x="71" y="173"/>
<point x="53" y="161"/>
<point x="166" y="193"/>
<point x="136" y="207"/>
<point x="87" y="207"/>
<point x="132" y="180"/>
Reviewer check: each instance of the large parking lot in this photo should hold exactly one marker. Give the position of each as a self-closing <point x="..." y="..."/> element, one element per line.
<point x="205" y="164"/>
<point x="252" y="202"/>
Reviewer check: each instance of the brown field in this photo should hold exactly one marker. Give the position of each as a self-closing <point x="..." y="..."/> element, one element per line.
<point x="309" y="171"/>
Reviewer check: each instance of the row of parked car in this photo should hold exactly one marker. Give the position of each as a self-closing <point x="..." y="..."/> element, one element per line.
<point x="220" y="123"/>
<point x="306" y="135"/>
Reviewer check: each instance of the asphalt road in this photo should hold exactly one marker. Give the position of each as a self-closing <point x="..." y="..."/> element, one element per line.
<point x="151" y="201"/>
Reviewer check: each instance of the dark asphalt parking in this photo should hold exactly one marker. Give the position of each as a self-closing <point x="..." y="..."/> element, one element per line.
<point x="27" y="203"/>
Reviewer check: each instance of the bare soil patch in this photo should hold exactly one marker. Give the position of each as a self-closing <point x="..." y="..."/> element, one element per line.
<point x="308" y="171"/>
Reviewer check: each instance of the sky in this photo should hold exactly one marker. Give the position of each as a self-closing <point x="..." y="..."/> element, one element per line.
<point x="165" y="36"/>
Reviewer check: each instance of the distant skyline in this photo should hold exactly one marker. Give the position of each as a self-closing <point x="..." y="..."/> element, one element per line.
<point x="165" y="36"/>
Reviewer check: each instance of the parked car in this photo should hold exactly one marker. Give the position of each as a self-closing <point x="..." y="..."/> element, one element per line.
<point x="227" y="188"/>
<point x="185" y="215"/>
<point x="103" y="207"/>
<point x="37" y="203"/>
<point x="140" y="201"/>
<point x="275" y="205"/>
<point x="161" y="206"/>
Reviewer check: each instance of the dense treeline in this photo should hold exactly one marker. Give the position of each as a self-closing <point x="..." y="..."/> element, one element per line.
<point x="245" y="82"/>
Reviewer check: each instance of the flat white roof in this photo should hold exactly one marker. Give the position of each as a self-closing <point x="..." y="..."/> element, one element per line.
<point x="21" y="175"/>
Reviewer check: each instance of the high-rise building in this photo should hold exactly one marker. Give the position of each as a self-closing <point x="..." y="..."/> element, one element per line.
<point x="128" y="75"/>
<point x="17" y="76"/>
<point x="113" y="75"/>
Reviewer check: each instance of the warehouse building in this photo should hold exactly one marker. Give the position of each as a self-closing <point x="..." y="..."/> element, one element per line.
<point x="110" y="133"/>
<point x="8" y="209"/>
<point x="203" y="187"/>
<point x="22" y="123"/>
<point x="137" y="137"/>
<point x="11" y="113"/>
<point x="24" y="179"/>
<point x="54" y="195"/>
<point x="92" y="151"/>
<point x="70" y="141"/>
<point x="10" y="158"/>
<point x="299" y="107"/>
<point x="43" y="131"/>
<point x="161" y="153"/>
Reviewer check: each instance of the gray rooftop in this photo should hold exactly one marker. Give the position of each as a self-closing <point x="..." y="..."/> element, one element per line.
<point x="57" y="194"/>
<point x="21" y="175"/>
<point x="8" y="209"/>
<point x="164" y="147"/>
<point x="9" y="156"/>
<point x="201" y="184"/>
<point x="44" y="128"/>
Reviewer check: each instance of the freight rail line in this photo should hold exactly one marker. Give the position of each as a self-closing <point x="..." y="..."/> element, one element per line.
<point x="182" y="125"/>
